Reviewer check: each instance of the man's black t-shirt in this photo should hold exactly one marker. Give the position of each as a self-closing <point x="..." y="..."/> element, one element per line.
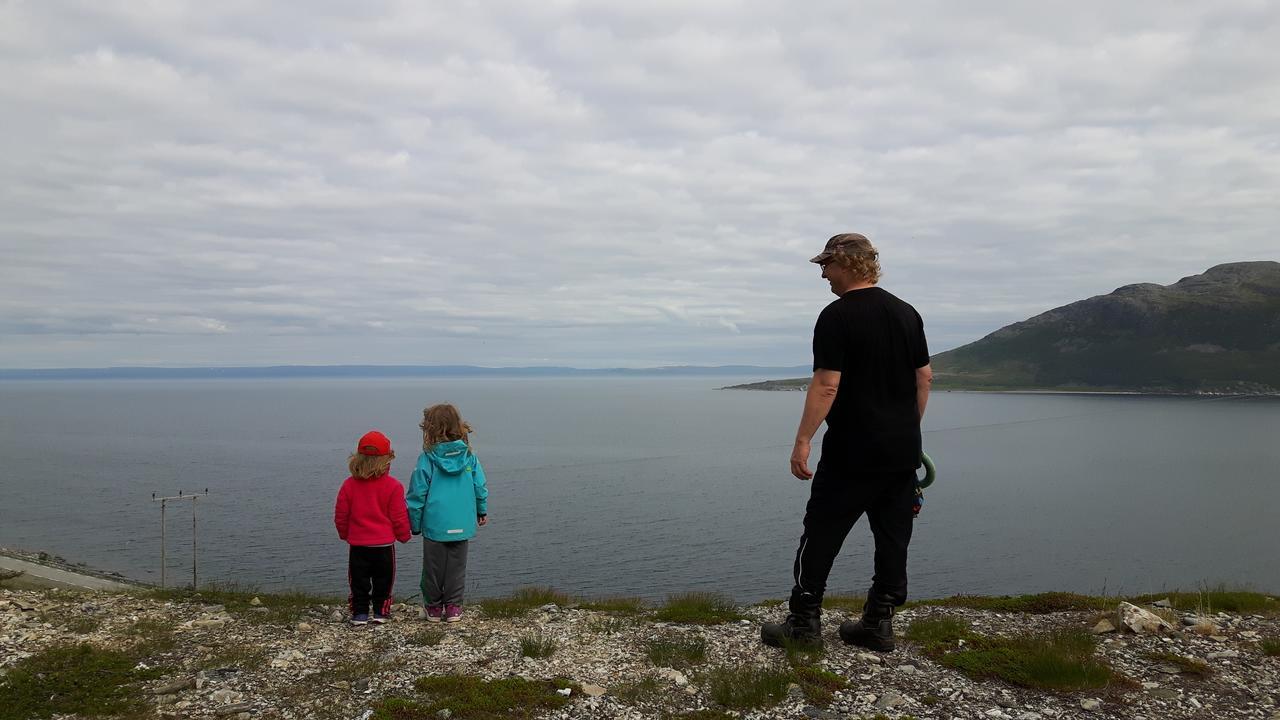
<point x="876" y="341"/>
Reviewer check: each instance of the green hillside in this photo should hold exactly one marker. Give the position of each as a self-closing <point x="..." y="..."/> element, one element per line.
<point x="1215" y="332"/>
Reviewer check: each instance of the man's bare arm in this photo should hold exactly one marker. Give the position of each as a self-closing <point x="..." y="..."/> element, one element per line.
<point x="924" y="379"/>
<point x="817" y="403"/>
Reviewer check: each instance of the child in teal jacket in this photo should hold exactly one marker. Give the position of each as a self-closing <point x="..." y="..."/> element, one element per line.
<point x="447" y="502"/>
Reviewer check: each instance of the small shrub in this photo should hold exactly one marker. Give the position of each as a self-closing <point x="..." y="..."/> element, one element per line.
<point x="638" y="690"/>
<point x="471" y="698"/>
<point x="676" y="652"/>
<point x="427" y="637"/>
<point x="1188" y="665"/>
<point x="522" y="601"/>
<point x="747" y="687"/>
<point x="536" y="645"/>
<point x="74" y="680"/>
<point x="698" y="608"/>
<point x="1270" y="646"/>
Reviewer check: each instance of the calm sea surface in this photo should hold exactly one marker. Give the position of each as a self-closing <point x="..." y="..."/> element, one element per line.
<point x="642" y="486"/>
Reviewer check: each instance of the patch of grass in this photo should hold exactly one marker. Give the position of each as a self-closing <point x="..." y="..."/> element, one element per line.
<point x="83" y="625"/>
<point x="675" y="652"/>
<point x="1059" y="660"/>
<point x="743" y="688"/>
<point x="935" y="634"/>
<point x="1038" y="604"/>
<point x="1191" y="666"/>
<point x="704" y="714"/>
<point x="607" y="625"/>
<point x="522" y="601"/>
<point x="471" y="698"/>
<point x="535" y="645"/>
<point x="427" y="637"/>
<point x="619" y="605"/>
<point x="239" y="657"/>
<point x="819" y="685"/>
<point x="1212" y="600"/>
<point x="698" y="608"/>
<point x="637" y="690"/>
<point x="1270" y="646"/>
<point x="74" y="680"/>
<point x="283" y="608"/>
<point x="843" y="603"/>
<point x="151" y="637"/>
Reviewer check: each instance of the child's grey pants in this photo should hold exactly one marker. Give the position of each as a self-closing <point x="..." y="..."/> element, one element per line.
<point x="444" y="571"/>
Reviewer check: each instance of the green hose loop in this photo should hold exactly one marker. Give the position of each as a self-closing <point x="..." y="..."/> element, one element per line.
<point x="930" y="471"/>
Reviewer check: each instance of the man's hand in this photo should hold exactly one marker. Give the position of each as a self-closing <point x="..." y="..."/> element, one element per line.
<point x="482" y="520"/>
<point x="800" y="460"/>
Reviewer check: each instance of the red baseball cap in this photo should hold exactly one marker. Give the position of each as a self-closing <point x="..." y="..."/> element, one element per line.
<point x="374" y="443"/>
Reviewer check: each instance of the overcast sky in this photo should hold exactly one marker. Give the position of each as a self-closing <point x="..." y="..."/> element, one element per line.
<point x="605" y="184"/>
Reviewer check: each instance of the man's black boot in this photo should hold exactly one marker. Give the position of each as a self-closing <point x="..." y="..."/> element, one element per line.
<point x="873" y="631"/>
<point x="795" y="631"/>
<point x="803" y="626"/>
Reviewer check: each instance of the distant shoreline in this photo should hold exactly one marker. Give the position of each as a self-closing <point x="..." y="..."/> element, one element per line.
<point x="802" y="384"/>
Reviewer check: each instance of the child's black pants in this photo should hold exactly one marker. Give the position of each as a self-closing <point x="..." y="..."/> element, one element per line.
<point x="371" y="572"/>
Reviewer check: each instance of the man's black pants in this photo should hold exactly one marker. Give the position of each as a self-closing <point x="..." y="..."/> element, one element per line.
<point x="371" y="572"/>
<point x="838" y="498"/>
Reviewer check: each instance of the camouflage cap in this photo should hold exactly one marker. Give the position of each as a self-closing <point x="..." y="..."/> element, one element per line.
<point x="845" y="244"/>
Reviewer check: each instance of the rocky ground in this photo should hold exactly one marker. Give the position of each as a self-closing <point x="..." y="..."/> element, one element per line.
<point x="262" y="659"/>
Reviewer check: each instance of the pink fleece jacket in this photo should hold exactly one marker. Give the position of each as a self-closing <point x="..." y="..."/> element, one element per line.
<point x="371" y="511"/>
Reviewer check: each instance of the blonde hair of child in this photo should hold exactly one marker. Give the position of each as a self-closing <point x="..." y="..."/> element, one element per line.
<point x="366" y="467"/>
<point x="443" y="423"/>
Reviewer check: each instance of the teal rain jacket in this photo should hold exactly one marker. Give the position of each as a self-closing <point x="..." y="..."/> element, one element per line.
<point x="447" y="493"/>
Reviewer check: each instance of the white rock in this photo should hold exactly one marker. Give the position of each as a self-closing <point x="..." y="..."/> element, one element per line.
<point x="593" y="690"/>
<point x="1104" y="626"/>
<point x="908" y="669"/>
<point x="994" y="713"/>
<point x="1029" y="716"/>
<point x="227" y="697"/>
<point x="565" y="691"/>
<point x="304" y="627"/>
<point x="869" y="658"/>
<point x="255" y="602"/>
<point x="1091" y="704"/>
<point x="674" y="676"/>
<point x="1223" y="654"/>
<point x="1136" y="620"/>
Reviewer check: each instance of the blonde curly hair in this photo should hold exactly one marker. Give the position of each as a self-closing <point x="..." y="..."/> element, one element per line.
<point x="858" y="255"/>
<point x="443" y="423"/>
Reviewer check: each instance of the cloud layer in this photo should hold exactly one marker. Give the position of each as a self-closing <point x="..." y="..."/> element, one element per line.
<point x="605" y="184"/>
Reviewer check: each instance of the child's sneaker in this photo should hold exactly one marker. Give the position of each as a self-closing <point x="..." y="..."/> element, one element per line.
<point x="360" y="619"/>
<point x="379" y="619"/>
<point x="435" y="613"/>
<point x="452" y="613"/>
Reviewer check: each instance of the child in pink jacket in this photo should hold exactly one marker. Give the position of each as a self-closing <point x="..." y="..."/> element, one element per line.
<point x="370" y="515"/>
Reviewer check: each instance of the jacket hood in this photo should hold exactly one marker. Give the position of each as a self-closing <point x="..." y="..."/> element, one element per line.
<point x="451" y="457"/>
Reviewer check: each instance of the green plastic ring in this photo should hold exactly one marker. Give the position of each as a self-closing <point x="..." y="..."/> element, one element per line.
<point x="930" y="471"/>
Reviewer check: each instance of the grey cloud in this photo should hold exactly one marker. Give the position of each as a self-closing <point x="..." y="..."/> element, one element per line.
<point x="605" y="184"/>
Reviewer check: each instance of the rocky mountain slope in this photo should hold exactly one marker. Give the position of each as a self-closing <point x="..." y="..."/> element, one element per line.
<point x="1214" y="332"/>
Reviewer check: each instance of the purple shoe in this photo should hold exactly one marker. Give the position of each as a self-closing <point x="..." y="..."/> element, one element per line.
<point x="453" y="613"/>
<point x="435" y="613"/>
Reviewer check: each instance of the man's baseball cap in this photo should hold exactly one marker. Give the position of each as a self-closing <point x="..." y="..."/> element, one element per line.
<point x="844" y="244"/>
<point x="374" y="443"/>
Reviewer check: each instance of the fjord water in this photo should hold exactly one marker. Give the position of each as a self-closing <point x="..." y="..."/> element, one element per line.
<point x="642" y="486"/>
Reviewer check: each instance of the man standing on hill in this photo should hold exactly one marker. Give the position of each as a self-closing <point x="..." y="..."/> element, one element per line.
<point x="870" y="384"/>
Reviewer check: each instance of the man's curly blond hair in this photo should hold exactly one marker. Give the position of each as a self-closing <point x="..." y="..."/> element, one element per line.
<point x="859" y="256"/>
